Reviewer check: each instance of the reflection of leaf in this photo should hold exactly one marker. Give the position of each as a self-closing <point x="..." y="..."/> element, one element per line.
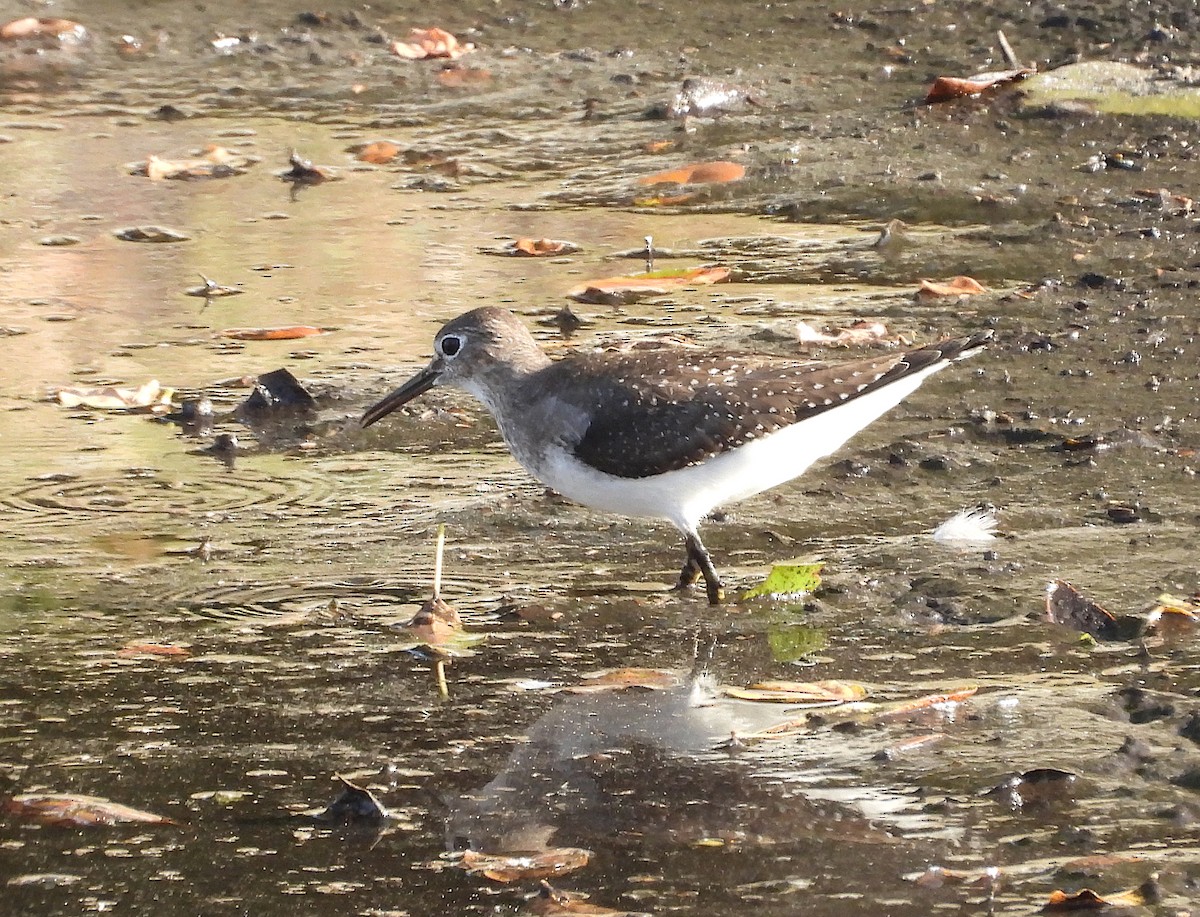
<point x="795" y="641"/>
<point x="700" y="173"/>
<point x="651" y="284"/>
<point x="623" y="679"/>
<point x="787" y="579"/>
<point x="109" y="398"/>
<point x="86" y="811"/>
<point x="519" y="867"/>
<point x="806" y="694"/>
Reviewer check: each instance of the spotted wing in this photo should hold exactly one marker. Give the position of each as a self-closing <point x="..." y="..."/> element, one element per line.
<point x="649" y="416"/>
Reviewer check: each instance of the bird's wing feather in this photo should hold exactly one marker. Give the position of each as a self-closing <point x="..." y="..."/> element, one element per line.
<point x="643" y="422"/>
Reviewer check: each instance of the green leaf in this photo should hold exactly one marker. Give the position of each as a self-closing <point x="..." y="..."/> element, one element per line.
<point x="787" y="579"/>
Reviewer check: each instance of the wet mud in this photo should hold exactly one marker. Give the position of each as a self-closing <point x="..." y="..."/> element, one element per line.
<point x="205" y="620"/>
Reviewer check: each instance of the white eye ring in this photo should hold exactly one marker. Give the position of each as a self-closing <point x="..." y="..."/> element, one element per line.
<point x="449" y="346"/>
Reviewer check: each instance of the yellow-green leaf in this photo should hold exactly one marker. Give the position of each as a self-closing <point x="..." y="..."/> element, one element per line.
<point x="787" y="579"/>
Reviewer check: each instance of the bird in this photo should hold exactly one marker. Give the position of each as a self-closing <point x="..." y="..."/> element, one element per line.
<point x="668" y="434"/>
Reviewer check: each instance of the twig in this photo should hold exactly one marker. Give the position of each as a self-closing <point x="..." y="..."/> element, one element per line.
<point x="439" y="669"/>
<point x="439" y="550"/>
<point x="1010" y="56"/>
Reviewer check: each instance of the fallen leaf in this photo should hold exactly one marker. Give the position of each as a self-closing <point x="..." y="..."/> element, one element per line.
<point x="624" y="679"/>
<point x="64" y="31"/>
<point x="212" y="290"/>
<point x="379" y="152"/>
<point x="1039" y="786"/>
<point x="939" y="876"/>
<point x="805" y="694"/>
<point x="908" y="745"/>
<point x="354" y="803"/>
<point x="153" y="234"/>
<point x="301" y="171"/>
<point x="150" y="396"/>
<point x="787" y="580"/>
<point x="216" y="162"/>
<point x="861" y="332"/>
<point x="152" y="649"/>
<point x="536" y="248"/>
<point x="1067" y="606"/>
<point x="1087" y="900"/>
<point x="435" y="622"/>
<point x="945" y="88"/>
<point x="427" y="44"/>
<point x="550" y="902"/>
<point x="290" y="333"/>
<point x="955" y="286"/>
<point x="927" y="702"/>
<point x="83" y="811"/>
<point x="628" y="289"/>
<point x="519" y="867"/>
<point x="699" y="173"/>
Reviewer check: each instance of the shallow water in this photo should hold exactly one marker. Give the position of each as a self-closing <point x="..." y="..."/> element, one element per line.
<point x="284" y="575"/>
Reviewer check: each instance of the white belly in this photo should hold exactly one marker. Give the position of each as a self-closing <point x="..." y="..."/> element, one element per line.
<point x="688" y="494"/>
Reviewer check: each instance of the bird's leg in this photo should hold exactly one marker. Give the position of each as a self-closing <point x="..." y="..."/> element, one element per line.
<point x="698" y="559"/>
<point x="689" y="574"/>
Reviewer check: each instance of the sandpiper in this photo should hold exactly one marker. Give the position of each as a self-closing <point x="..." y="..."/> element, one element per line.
<point x="663" y="433"/>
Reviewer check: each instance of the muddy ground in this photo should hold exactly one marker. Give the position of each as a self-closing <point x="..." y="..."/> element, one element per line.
<point x="211" y="634"/>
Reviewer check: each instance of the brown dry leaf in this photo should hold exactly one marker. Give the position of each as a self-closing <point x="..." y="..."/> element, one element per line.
<point x="808" y="694"/>
<point x="929" y="700"/>
<point x="605" y="290"/>
<point x="151" y="396"/>
<point x="379" y="153"/>
<point x="84" y="811"/>
<point x="623" y="679"/>
<point x="1067" y="606"/>
<point x="908" y="745"/>
<point x="861" y="332"/>
<point x="61" y="30"/>
<point x="1087" y="900"/>
<point x="550" y="902"/>
<point x="301" y="171"/>
<point x="152" y="649"/>
<point x="271" y="334"/>
<point x="456" y="77"/>
<point x="217" y="162"/>
<point x="699" y="173"/>
<point x="945" y="88"/>
<point x="427" y="44"/>
<point x="539" y="248"/>
<point x="520" y="867"/>
<point x="939" y="876"/>
<point x="435" y="622"/>
<point x="955" y="286"/>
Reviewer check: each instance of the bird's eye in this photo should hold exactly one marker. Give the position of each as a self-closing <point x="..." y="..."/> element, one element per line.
<point x="450" y="345"/>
